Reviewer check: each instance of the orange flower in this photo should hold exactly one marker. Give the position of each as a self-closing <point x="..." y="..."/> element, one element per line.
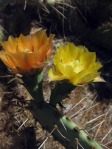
<point x="26" y="53"/>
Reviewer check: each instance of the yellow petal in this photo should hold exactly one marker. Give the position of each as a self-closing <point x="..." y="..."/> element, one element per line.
<point x="99" y="79"/>
<point x="86" y="79"/>
<point x="76" y="64"/>
<point x="87" y="58"/>
<point x="55" y="75"/>
<point x="81" y="50"/>
<point x="68" y="71"/>
<point x="94" y="67"/>
<point x="64" y="53"/>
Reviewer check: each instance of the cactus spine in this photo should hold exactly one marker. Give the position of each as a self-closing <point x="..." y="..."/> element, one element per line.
<point x="67" y="132"/>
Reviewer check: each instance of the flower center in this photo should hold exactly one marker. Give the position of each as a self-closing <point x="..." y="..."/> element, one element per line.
<point x="76" y="65"/>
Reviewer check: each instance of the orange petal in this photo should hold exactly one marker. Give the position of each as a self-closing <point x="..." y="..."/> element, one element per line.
<point x="20" y="60"/>
<point x="8" y="60"/>
<point x="32" y="60"/>
<point x="25" y="42"/>
<point x="45" y="49"/>
<point x="26" y="61"/>
<point x="38" y="39"/>
<point x="10" y="45"/>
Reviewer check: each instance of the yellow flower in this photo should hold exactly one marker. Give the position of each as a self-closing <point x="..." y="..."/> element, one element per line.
<point x="74" y="63"/>
<point x="26" y="53"/>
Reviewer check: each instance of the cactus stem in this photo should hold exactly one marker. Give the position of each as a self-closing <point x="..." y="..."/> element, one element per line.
<point x="76" y="129"/>
<point x="45" y="115"/>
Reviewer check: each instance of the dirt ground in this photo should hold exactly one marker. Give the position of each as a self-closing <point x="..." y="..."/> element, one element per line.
<point x="89" y="106"/>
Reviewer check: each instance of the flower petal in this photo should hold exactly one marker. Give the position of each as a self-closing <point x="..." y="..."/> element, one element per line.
<point x="76" y="64"/>
<point x="88" y="78"/>
<point x="24" y="43"/>
<point x="88" y="58"/>
<point x="53" y="75"/>
<point x="10" y="45"/>
<point x="38" y="39"/>
<point x="8" y="61"/>
<point x="27" y="53"/>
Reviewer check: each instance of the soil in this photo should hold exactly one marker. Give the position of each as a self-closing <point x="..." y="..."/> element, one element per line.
<point x="89" y="106"/>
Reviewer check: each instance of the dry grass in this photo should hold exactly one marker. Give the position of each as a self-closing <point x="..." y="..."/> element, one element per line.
<point x="18" y="128"/>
